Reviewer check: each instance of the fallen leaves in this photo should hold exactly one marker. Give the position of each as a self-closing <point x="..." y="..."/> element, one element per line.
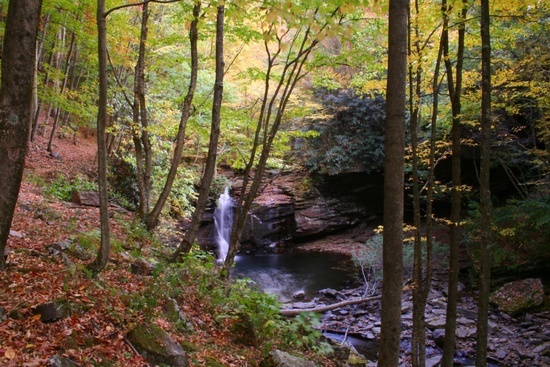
<point x="9" y="353"/>
<point x="99" y="311"/>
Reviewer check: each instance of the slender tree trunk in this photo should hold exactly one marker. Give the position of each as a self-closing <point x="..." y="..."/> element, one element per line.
<point x="140" y="135"/>
<point x="455" y="93"/>
<point x="394" y="164"/>
<point x="105" y="247"/>
<point x="485" y="190"/>
<point x="18" y="62"/>
<point x="152" y="218"/>
<point x="210" y="168"/>
<point x="37" y="114"/>
<point x="271" y="116"/>
<point x="57" y="109"/>
<point x="418" y="343"/>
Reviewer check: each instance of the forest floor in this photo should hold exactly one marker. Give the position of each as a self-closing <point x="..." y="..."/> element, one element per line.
<point x="103" y="308"/>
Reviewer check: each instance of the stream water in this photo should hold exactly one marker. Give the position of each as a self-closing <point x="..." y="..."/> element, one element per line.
<point x="285" y="274"/>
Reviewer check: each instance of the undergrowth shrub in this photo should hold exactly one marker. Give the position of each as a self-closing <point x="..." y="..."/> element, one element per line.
<point x="520" y="233"/>
<point x="350" y="137"/>
<point x="369" y="260"/>
<point x="239" y="302"/>
<point x="63" y="188"/>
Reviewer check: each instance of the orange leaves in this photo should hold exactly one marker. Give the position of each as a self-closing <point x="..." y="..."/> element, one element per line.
<point x="9" y="353"/>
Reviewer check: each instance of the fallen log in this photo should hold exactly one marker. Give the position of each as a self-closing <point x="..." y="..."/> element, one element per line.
<point x="296" y="311"/>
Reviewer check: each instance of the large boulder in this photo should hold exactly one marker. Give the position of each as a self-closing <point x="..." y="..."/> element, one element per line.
<point x="519" y="296"/>
<point x="157" y="347"/>
<point x="277" y="358"/>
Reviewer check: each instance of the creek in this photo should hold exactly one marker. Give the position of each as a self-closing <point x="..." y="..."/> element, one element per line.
<point x="285" y="274"/>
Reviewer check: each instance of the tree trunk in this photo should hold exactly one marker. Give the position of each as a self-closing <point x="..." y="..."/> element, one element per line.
<point x="63" y="84"/>
<point x="455" y="94"/>
<point x="105" y="247"/>
<point x="394" y="151"/>
<point x="140" y="135"/>
<point x="485" y="190"/>
<point x="152" y="218"/>
<point x="18" y="61"/>
<point x="297" y="311"/>
<point x="274" y="102"/>
<point x="418" y="342"/>
<point x="210" y="168"/>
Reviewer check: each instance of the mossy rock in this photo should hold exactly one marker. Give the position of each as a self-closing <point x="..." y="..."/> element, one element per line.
<point x="157" y="347"/>
<point x="279" y="358"/>
<point x="517" y="297"/>
<point x="356" y="360"/>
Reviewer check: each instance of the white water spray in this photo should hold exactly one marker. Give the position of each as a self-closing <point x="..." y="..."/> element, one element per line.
<point x="223" y="221"/>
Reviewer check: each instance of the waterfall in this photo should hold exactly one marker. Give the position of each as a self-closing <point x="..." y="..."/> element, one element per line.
<point x="223" y="221"/>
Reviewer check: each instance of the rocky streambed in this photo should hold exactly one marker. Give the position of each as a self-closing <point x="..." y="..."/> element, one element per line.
<point x="519" y="340"/>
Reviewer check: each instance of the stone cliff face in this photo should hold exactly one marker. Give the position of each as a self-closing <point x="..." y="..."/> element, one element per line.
<point x="293" y="208"/>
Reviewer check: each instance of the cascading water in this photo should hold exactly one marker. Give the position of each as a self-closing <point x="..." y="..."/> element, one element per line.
<point x="223" y="221"/>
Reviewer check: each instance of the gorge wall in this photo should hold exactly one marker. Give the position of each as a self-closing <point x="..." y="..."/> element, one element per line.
<point x="294" y="207"/>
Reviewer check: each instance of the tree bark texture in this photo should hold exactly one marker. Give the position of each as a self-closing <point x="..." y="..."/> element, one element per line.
<point x="485" y="190"/>
<point x="140" y="131"/>
<point x="455" y="91"/>
<point x="18" y="62"/>
<point x="394" y="163"/>
<point x="105" y="247"/>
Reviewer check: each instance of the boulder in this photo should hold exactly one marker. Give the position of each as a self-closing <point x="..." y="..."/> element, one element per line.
<point x="157" y="347"/>
<point x="57" y="361"/>
<point x="87" y="198"/>
<point x="50" y="311"/>
<point x="277" y="358"/>
<point x="142" y="267"/>
<point x="519" y="296"/>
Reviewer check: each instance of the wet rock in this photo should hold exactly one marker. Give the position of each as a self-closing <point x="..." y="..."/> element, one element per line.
<point x="465" y="332"/>
<point x="157" y="347"/>
<point x="277" y="358"/>
<point x="501" y="354"/>
<point x="516" y="297"/>
<point x="433" y="361"/>
<point x="301" y="294"/>
<point x="303" y="305"/>
<point x="329" y="292"/>
<point x="543" y="349"/>
<point x="406" y="307"/>
<point x="436" y="322"/>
